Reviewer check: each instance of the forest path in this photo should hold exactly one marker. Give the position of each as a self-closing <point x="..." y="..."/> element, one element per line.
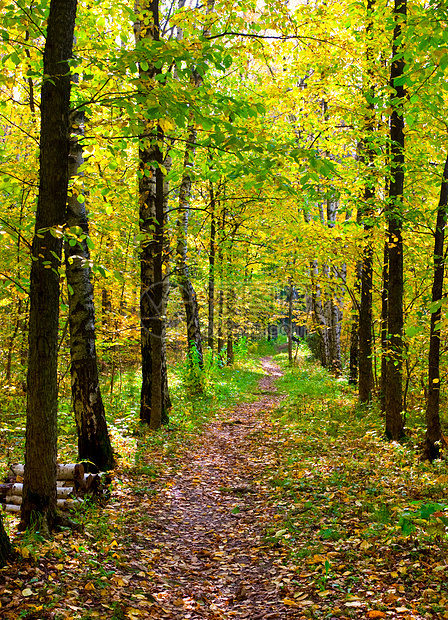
<point x="206" y="527"/>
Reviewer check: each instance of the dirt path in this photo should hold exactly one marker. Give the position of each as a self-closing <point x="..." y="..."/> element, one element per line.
<point x="205" y="539"/>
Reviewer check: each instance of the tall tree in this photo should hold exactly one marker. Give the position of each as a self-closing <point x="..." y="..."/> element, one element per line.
<point x="394" y="361"/>
<point x="211" y="270"/>
<point x="155" y="401"/>
<point x="365" y="385"/>
<point x="433" y="426"/>
<point x="186" y="287"/>
<point x="39" y="488"/>
<point x="93" y="437"/>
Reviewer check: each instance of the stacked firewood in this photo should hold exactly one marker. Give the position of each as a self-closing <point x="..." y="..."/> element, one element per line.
<point x="73" y="484"/>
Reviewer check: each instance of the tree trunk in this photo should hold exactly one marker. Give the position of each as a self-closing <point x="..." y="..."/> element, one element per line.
<point x="187" y="291"/>
<point x="93" y="438"/>
<point x="319" y="318"/>
<point x="222" y="227"/>
<point x="211" y="271"/>
<point x="39" y="499"/>
<point x="433" y="428"/>
<point x="354" y="330"/>
<point x="230" y="325"/>
<point x="290" y="304"/>
<point x="334" y="302"/>
<point x="394" y="362"/>
<point x="383" y="334"/>
<point x="154" y="402"/>
<point x="194" y="339"/>
<point x="365" y="386"/>
<point x="5" y="545"/>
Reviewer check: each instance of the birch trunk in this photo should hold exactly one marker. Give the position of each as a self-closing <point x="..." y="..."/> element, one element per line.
<point x="187" y="291"/>
<point x="154" y="402"/>
<point x="93" y="437"/>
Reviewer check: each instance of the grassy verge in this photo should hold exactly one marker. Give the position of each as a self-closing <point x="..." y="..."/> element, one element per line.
<point x="350" y="504"/>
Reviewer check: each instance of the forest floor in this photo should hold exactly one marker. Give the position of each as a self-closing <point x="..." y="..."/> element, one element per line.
<point x="261" y="515"/>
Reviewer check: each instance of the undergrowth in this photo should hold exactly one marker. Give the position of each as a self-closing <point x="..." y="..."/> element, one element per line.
<point x="339" y="485"/>
<point x="142" y="453"/>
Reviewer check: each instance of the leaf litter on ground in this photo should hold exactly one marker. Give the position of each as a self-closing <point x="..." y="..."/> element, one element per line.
<point x="291" y="511"/>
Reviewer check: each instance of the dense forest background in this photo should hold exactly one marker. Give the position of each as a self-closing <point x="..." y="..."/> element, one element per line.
<point x="234" y="166"/>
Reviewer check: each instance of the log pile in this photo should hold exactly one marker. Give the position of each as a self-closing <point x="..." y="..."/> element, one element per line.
<point x="73" y="484"/>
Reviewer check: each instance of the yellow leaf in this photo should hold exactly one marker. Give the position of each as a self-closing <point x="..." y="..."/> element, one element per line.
<point x="89" y="586"/>
<point x="288" y="601"/>
<point x="24" y="552"/>
<point x="113" y="544"/>
<point x="59" y="566"/>
<point x="376" y="614"/>
<point x="27" y="592"/>
<point x="166" y="124"/>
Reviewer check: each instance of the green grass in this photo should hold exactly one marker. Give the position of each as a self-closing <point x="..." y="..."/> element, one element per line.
<point x="335" y="466"/>
<point x="223" y="387"/>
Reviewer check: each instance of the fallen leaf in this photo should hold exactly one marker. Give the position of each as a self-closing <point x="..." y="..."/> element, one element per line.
<point x="373" y="613"/>
<point x="27" y="592"/>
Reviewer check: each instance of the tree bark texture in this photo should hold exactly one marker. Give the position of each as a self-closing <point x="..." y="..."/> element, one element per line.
<point x="433" y="427"/>
<point x="365" y="386"/>
<point x="93" y="437"/>
<point x="354" y="330"/>
<point x="154" y="402"/>
<point x="211" y="271"/>
<point x="186" y="287"/>
<point x="194" y="339"/>
<point x="290" y="314"/>
<point x="222" y="228"/>
<point x="384" y="304"/>
<point x="319" y="318"/>
<point x="5" y="545"/>
<point x="334" y="302"/>
<point x="39" y="500"/>
<point x="317" y="311"/>
<point x="394" y="358"/>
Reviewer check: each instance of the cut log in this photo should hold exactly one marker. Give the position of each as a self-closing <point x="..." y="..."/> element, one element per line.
<point x="11" y="508"/>
<point x="16" y="488"/>
<point x="15" y="502"/>
<point x="14" y="499"/>
<point x="72" y="471"/>
<point x="66" y="504"/>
